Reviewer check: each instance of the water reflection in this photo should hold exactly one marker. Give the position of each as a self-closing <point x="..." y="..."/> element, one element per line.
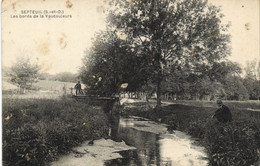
<point x="154" y="145"/>
<point x="136" y="142"/>
<point x="147" y="151"/>
<point x="178" y="149"/>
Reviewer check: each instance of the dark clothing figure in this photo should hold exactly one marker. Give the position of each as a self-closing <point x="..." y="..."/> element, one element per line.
<point x="64" y="90"/>
<point x="78" y="88"/>
<point x="223" y="114"/>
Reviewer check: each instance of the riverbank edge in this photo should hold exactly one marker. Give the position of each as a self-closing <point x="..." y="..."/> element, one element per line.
<point x="235" y="143"/>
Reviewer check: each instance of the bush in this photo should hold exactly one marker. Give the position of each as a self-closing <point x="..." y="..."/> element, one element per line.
<point x="233" y="143"/>
<point x="36" y="131"/>
<point x="24" y="146"/>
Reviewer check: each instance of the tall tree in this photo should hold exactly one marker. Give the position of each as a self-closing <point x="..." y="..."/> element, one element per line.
<point x="251" y="69"/>
<point x="258" y="70"/>
<point x="188" y="31"/>
<point x="24" y="73"/>
<point x="110" y="63"/>
<point x="235" y="89"/>
<point x="251" y="81"/>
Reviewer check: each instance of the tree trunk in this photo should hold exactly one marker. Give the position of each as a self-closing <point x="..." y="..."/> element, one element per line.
<point x="159" y="89"/>
<point x="147" y="98"/>
<point x="159" y="81"/>
<point x="159" y="96"/>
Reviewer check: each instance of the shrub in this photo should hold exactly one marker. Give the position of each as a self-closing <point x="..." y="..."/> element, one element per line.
<point x="24" y="146"/>
<point x="36" y="131"/>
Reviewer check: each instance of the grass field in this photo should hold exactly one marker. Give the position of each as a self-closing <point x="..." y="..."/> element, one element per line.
<point x="47" y="85"/>
<point x="44" y="89"/>
<point x="227" y="144"/>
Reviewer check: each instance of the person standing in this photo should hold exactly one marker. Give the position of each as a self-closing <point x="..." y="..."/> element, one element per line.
<point x="78" y="88"/>
<point x="64" y="90"/>
<point x="223" y="114"/>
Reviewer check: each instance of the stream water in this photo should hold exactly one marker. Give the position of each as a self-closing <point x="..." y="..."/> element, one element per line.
<point x="137" y="141"/>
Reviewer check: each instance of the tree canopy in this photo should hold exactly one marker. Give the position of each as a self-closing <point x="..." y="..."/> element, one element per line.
<point x="24" y="73"/>
<point x="110" y="63"/>
<point x="188" y="32"/>
<point x="158" y="42"/>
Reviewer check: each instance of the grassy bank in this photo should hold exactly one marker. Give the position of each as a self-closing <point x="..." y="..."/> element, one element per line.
<point x="231" y="144"/>
<point x="251" y="104"/>
<point x="37" y="131"/>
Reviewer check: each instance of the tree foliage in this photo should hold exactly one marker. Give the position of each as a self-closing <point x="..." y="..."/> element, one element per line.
<point x="167" y="46"/>
<point x="64" y="77"/>
<point x="24" y="73"/>
<point x="110" y="63"/>
<point x="252" y="80"/>
<point x="234" y="88"/>
<point x="189" y="32"/>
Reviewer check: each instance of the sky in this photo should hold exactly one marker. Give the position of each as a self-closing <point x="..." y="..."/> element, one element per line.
<point x="58" y="44"/>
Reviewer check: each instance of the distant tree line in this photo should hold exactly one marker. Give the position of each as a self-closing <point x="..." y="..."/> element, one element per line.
<point x="63" y="77"/>
<point x="231" y="83"/>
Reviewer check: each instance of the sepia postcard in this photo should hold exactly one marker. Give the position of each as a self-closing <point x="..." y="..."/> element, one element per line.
<point x="130" y="82"/>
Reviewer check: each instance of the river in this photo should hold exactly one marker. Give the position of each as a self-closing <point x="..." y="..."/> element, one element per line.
<point x="137" y="141"/>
